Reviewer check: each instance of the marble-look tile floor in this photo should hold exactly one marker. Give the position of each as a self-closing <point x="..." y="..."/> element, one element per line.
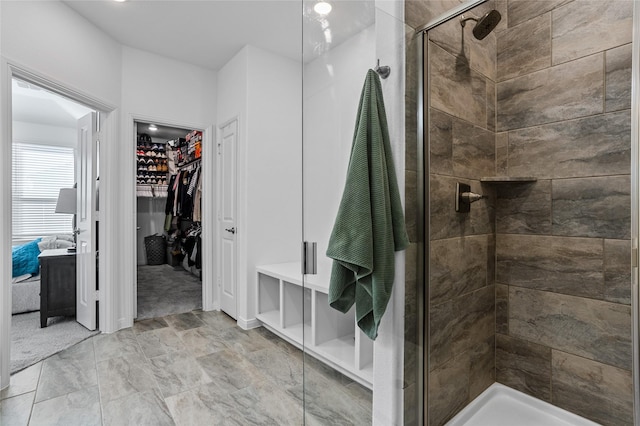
<point x="184" y="369"/>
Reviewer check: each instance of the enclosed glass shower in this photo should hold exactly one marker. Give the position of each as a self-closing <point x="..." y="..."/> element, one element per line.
<point x="527" y="104"/>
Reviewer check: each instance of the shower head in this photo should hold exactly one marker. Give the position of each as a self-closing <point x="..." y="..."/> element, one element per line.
<point x="484" y="25"/>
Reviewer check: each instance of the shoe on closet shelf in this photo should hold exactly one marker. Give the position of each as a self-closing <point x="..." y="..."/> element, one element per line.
<point x="154" y="147"/>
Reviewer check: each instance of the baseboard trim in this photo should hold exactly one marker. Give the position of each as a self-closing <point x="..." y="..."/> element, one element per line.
<point x="248" y="324"/>
<point x="124" y="323"/>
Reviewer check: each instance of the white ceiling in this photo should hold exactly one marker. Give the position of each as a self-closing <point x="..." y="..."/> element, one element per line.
<point x="209" y="33"/>
<point x="164" y="133"/>
<point x="35" y="105"/>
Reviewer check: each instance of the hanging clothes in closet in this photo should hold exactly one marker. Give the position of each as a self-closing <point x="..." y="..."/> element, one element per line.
<point x="184" y="196"/>
<point x="183" y="215"/>
<point x="192" y="246"/>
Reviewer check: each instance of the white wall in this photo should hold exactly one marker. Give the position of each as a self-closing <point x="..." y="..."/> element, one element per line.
<point x="49" y="39"/>
<point x="233" y="104"/>
<point x="55" y="41"/>
<point x="264" y="91"/>
<point x="274" y="164"/>
<point x="332" y="86"/>
<point x="232" y="90"/>
<point x="159" y="87"/>
<point x="165" y="91"/>
<point x="44" y="134"/>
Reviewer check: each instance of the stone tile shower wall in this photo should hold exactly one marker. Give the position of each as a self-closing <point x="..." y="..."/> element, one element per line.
<point x="561" y="245"/>
<point x="563" y="291"/>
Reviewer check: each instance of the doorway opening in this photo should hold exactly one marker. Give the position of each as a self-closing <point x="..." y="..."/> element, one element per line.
<point x="169" y="219"/>
<point x="54" y="194"/>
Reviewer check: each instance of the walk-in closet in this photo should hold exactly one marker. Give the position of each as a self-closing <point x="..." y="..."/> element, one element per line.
<point x="168" y="198"/>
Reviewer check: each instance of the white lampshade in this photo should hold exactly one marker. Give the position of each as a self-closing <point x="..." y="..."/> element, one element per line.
<point x="66" y="201"/>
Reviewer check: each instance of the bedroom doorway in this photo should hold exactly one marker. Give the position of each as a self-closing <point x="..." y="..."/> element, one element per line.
<point x="47" y="163"/>
<point x="169" y="177"/>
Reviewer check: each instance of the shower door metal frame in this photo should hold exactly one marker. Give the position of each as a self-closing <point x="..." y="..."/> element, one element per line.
<point x="635" y="207"/>
<point x="422" y="188"/>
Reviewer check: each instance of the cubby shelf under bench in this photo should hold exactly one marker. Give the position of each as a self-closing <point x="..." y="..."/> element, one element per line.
<point x="329" y="335"/>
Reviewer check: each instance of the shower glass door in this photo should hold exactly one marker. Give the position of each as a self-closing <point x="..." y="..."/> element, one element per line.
<point x="339" y="46"/>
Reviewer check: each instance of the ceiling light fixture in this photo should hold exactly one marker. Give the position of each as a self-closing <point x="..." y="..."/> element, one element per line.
<point x="120" y="1"/>
<point x="322" y="8"/>
<point x="153" y="127"/>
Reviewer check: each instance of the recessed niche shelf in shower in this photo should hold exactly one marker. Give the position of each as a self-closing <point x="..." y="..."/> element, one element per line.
<point x="508" y="179"/>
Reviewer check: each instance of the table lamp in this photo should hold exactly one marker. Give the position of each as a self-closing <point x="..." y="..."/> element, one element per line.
<point x="67" y="204"/>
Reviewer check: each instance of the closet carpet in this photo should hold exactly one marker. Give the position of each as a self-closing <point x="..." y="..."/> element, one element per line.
<point x="165" y="290"/>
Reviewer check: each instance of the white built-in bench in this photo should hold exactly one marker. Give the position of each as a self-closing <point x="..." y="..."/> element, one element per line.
<point x="302" y="315"/>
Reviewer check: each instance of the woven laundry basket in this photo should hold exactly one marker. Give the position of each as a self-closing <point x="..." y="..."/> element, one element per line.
<point x="156" y="248"/>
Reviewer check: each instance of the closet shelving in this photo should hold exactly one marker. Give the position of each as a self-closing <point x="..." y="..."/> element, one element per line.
<point x="189" y="149"/>
<point x="152" y="169"/>
<point x="302" y="315"/>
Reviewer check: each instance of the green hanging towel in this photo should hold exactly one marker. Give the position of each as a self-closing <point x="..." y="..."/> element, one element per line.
<point x="369" y="226"/>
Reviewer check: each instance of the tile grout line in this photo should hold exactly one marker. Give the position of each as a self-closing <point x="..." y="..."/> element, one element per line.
<point x="95" y="360"/>
<point x="33" y="403"/>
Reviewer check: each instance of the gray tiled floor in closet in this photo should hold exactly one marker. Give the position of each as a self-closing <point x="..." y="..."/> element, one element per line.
<point x="184" y="369"/>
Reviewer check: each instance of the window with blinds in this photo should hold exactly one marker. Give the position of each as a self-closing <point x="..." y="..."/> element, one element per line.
<point x="39" y="171"/>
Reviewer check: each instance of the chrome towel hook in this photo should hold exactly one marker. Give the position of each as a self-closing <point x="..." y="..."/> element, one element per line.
<point x="383" y="71"/>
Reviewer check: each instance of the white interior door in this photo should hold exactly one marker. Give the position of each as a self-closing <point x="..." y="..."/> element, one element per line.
<point x="227" y="148"/>
<point x="86" y="221"/>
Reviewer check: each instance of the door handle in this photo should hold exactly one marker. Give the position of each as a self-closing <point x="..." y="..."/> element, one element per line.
<point x="76" y="231"/>
<point x="232" y="230"/>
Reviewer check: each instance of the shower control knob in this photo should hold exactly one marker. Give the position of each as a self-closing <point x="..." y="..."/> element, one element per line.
<point x="471" y="197"/>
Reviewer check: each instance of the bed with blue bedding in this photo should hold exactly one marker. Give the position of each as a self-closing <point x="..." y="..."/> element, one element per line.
<point x="25" y="282"/>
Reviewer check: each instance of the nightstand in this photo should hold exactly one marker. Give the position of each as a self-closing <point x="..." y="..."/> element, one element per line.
<point x="57" y="284"/>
